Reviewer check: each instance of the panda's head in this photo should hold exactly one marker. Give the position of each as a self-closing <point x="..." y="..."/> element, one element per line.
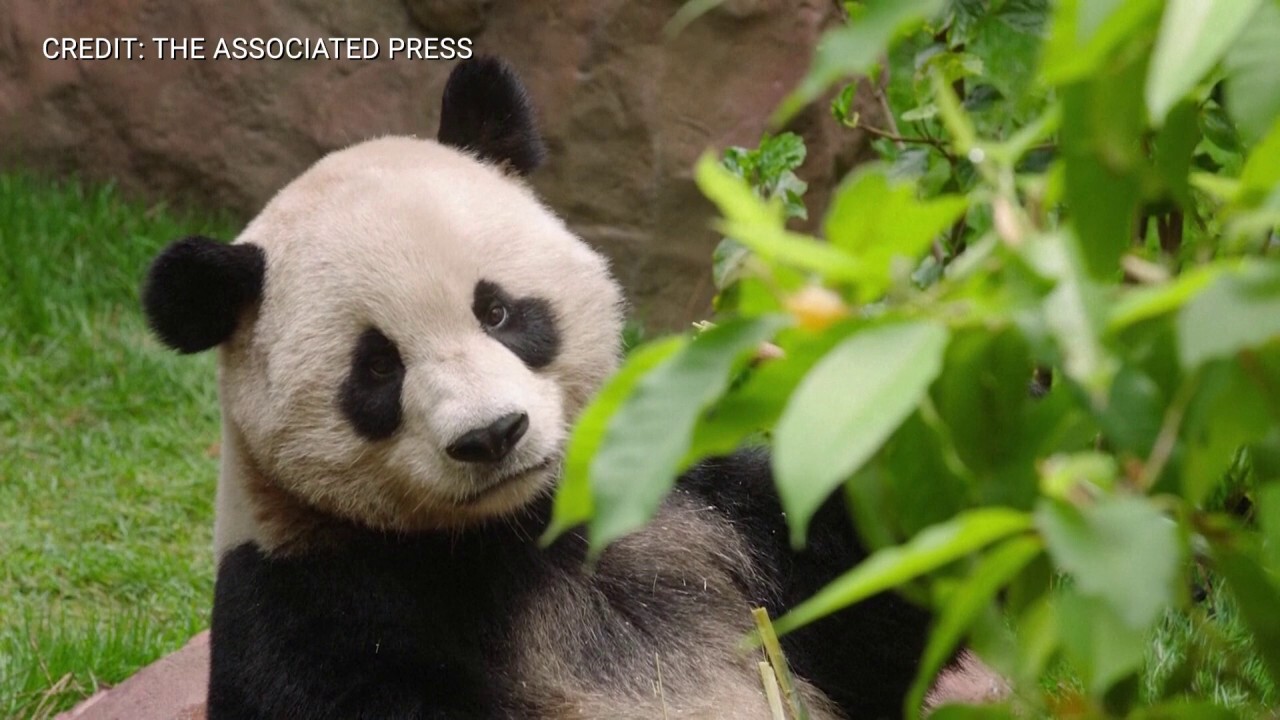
<point x="405" y="332"/>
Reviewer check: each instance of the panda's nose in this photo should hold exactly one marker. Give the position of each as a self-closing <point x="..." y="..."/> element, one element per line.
<point x="490" y="443"/>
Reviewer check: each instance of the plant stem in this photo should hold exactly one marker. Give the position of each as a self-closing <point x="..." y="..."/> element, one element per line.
<point x="1168" y="435"/>
<point x="902" y="140"/>
<point x="770" y="681"/>
<point x="773" y="649"/>
<point x="878" y="90"/>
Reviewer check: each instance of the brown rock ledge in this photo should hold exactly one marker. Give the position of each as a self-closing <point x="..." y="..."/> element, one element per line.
<point x="171" y="688"/>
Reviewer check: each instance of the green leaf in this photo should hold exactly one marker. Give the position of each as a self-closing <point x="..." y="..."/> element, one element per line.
<point x="921" y="112"/>
<point x="1257" y="598"/>
<point x="886" y="497"/>
<point x="768" y="170"/>
<point x="775" y="245"/>
<point x="957" y="122"/>
<point x="1239" y="310"/>
<point x="853" y="48"/>
<point x="876" y="223"/>
<point x="573" y="503"/>
<point x="1075" y="313"/>
<point x="1069" y="475"/>
<point x="1229" y="410"/>
<point x="1268" y="510"/>
<point x="981" y="396"/>
<point x="758" y="225"/>
<point x="1261" y="172"/>
<point x="1134" y="412"/>
<point x="1101" y="140"/>
<point x="868" y="502"/>
<point x="1218" y="187"/>
<point x="740" y="161"/>
<point x="779" y="154"/>
<point x="885" y="569"/>
<point x="1264" y="455"/>
<point x="723" y="183"/>
<point x="972" y="712"/>
<point x="1149" y="301"/>
<point x="1084" y="32"/>
<point x="755" y="405"/>
<point x="1120" y="550"/>
<point x="727" y="262"/>
<point x="1194" y="35"/>
<point x="1024" y="16"/>
<point x="1020" y="142"/>
<point x="953" y="66"/>
<point x="846" y="407"/>
<point x="842" y="107"/>
<point x="1103" y="648"/>
<point x="1037" y="639"/>
<point x="1218" y="128"/>
<point x="1252" y="96"/>
<point x="790" y="189"/>
<point x="1174" y="147"/>
<point x="748" y="296"/>
<point x="962" y="608"/>
<point x="650" y="433"/>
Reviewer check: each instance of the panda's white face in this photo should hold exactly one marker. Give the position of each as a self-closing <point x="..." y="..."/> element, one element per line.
<point x="405" y="333"/>
<point x="427" y="332"/>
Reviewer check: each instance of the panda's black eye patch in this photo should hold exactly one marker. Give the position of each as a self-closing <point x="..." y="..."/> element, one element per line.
<point x="526" y="326"/>
<point x="370" y="395"/>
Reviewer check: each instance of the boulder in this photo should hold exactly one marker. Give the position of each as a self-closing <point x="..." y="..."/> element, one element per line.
<point x="171" y="688"/>
<point x="626" y="111"/>
<point x="450" y="17"/>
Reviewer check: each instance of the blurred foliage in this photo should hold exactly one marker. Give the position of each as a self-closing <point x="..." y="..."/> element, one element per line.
<point x="1037" y="345"/>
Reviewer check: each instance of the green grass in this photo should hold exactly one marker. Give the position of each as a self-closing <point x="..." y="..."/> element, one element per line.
<point x="107" y="449"/>
<point x="1207" y="653"/>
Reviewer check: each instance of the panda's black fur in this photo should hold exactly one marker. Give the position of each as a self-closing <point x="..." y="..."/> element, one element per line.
<point x="197" y="288"/>
<point x="358" y="622"/>
<point x="387" y="626"/>
<point x="485" y="110"/>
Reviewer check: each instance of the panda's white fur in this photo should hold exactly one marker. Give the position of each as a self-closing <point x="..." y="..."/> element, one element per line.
<point x="386" y="233"/>
<point x="365" y="570"/>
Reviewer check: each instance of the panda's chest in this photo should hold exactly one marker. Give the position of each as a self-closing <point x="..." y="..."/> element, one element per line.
<point x="473" y="593"/>
<point x="497" y="625"/>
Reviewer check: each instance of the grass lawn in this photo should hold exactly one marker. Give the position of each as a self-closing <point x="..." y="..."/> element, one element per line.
<point x="107" y="449"/>
<point x="1208" y="652"/>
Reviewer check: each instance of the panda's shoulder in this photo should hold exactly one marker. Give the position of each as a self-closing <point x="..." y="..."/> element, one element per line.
<point x="739" y="486"/>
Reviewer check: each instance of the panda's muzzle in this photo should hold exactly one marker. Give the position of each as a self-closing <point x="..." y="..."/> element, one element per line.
<point x="491" y="443"/>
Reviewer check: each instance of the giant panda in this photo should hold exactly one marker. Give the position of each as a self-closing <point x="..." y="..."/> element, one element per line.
<point x="405" y="335"/>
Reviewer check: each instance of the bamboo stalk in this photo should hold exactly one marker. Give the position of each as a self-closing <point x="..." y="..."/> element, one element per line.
<point x="770" y="682"/>
<point x="773" y="649"/>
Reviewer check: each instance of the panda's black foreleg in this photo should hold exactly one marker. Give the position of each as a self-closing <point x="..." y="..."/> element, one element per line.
<point x="320" y="638"/>
<point x="864" y="657"/>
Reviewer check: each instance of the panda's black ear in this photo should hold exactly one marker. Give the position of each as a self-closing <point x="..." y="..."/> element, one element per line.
<point x="196" y="289"/>
<point x="485" y="110"/>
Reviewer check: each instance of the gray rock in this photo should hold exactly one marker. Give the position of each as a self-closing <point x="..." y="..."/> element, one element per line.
<point x="450" y="17"/>
<point x="626" y="111"/>
<point x="171" y="688"/>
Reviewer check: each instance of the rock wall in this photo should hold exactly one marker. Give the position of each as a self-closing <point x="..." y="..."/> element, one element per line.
<point x="625" y="112"/>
